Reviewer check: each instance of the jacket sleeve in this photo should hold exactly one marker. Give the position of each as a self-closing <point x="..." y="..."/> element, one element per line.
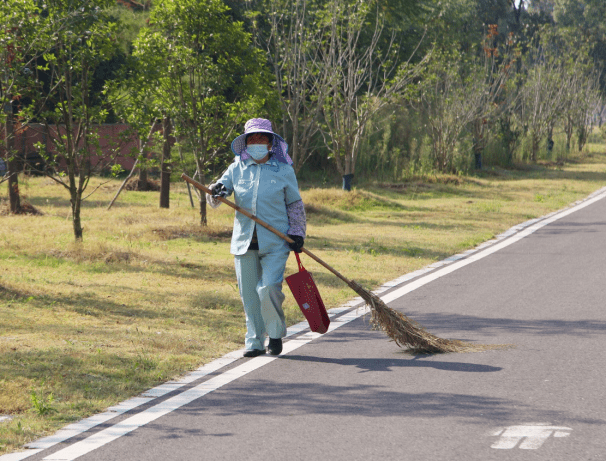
<point x="297" y="221"/>
<point x="227" y="179"/>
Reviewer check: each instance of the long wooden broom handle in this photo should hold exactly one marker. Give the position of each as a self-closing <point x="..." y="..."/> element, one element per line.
<point x="203" y="188"/>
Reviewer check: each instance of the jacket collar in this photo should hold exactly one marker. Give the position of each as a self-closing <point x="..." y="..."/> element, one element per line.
<point x="272" y="161"/>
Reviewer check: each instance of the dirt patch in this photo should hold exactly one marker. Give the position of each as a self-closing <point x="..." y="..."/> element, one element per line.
<point x="551" y="164"/>
<point x="26" y="209"/>
<point x="195" y="232"/>
<point x="419" y="182"/>
<point x="93" y="254"/>
<point x="149" y="186"/>
<point x="118" y="257"/>
<point x="9" y="294"/>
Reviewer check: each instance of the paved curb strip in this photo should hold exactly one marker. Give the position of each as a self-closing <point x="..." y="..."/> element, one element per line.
<point x="105" y="436"/>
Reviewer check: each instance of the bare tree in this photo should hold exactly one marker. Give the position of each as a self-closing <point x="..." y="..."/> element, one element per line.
<point x="582" y="105"/>
<point x="542" y="97"/>
<point x="594" y="99"/>
<point x="363" y="77"/>
<point x="494" y="95"/>
<point x="601" y="111"/>
<point x="294" y="47"/>
<point x="455" y="95"/>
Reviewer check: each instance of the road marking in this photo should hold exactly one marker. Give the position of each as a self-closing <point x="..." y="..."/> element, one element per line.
<point x="140" y="419"/>
<point x="99" y="439"/>
<point x="532" y="436"/>
<point x="20" y="455"/>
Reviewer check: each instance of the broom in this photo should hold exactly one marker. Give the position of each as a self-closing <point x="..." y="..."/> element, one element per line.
<point x="404" y="331"/>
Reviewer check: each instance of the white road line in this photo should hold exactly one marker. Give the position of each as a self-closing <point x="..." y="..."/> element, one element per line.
<point x="140" y="419"/>
<point x="105" y="436"/>
<point x="20" y="455"/>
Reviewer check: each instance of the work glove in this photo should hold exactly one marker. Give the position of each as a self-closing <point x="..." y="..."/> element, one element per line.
<point x="218" y="190"/>
<point x="297" y="244"/>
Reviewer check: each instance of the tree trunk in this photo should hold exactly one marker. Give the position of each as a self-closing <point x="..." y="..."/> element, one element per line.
<point x="348" y="175"/>
<point x="535" y="147"/>
<point x="12" y="166"/>
<point x="166" y="164"/>
<point x="143" y="181"/>
<point x="142" y="168"/>
<point x="77" y="223"/>
<point x="550" y="142"/>
<point x="478" y="142"/>
<point x="75" y="199"/>
<point x="582" y="137"/>
<point x="203" y="214"/>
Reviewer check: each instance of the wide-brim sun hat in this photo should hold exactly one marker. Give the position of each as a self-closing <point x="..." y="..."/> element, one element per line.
<point x="279" y="147"/>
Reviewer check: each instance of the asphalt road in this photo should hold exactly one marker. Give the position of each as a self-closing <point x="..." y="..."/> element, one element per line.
<point x="353" y="395"/>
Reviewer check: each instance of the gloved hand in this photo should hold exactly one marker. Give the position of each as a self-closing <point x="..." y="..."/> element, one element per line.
<point x="218" y="190"/>
<point x="297" y="244"/>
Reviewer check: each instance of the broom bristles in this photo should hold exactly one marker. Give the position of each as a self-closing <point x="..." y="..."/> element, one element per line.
<point x="405" y="332"/>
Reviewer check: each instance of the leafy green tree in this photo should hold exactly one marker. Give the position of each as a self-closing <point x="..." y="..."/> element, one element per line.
<point x="213" y="78"/>
<point x="586" y="21"/>
<point x="135" y="102"/>
<point x="22" y="39"/>
<point x="82" y="38"/>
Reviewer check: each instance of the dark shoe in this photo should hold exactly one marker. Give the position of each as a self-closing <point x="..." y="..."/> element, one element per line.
<point x="254" y="352"/>
<point x="275" y="346"/>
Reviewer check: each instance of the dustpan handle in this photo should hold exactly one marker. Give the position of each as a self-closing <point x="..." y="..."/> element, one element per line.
<point x="301" y="268"/>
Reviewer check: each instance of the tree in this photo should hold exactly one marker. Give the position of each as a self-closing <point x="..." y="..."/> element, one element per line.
<point x="293" y="43"/>
<point x="585" y="20"/>
<point x="214" y="79"/>
<point x="135" y="98"/>
<point x="22" y="40"/>
<point x="542" y="97"/>
<point x="82" y="39"/>
<point x="518" y="7"/>
<point x="494" y="94"/>
<point x="580" y="99"/>
<point x="456" y="93"/>
<point x="362" y="78"/>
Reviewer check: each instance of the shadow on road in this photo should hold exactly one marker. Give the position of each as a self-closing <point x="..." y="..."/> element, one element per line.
<point x="264" y="397"/>
<point x="462" y="323"/>
<point x="378" y="364"/>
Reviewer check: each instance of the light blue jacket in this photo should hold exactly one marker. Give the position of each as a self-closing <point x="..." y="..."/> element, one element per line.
<point x="263" y="190"/>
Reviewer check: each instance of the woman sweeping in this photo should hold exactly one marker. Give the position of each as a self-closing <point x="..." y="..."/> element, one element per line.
<point x="263" y="183"/>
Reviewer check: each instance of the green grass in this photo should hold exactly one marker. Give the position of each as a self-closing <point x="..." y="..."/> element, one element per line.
<point x="150" y="294"/>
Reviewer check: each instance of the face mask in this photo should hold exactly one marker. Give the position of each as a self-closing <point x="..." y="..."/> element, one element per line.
<point x="257" y="151"/>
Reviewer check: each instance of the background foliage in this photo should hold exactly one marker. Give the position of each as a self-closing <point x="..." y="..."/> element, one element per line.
<point x="338" y="95"/>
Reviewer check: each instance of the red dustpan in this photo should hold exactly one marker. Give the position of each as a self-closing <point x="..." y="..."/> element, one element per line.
<point x="308" y="297"/>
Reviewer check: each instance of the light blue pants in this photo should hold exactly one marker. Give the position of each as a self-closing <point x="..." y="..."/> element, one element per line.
<point x="260" y="279"/>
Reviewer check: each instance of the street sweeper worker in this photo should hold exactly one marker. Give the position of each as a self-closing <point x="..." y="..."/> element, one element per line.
<point x="263" y="183"/>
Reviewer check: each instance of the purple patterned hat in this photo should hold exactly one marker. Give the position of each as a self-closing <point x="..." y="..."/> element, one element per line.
<point x="279" y="148"/>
